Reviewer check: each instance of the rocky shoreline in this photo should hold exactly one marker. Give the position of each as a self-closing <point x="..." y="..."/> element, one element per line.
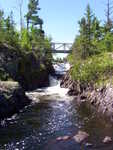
<point x="12" y="99"/>
<point x="101" y="99"/>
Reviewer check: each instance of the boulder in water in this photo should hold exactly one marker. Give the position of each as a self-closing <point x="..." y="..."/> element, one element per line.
<point x="81" y="136"/>
<point x="107" y="140"/>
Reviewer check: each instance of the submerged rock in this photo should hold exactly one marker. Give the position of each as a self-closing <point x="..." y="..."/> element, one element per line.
<point x="107" y="140"/>
<point x="64" y="138"/>
<point x="88" y="144"/>
<point x="81" y="136"/>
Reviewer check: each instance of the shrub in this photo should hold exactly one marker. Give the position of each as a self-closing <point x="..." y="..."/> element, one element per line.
<point x="93" y="69"/>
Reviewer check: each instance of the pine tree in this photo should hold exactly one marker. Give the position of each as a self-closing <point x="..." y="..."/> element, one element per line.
<point x="108" y="13"/>
<point x="83" y="38"/>
<point x="96" y="29"/>
<point x="32" y="15"/>
<point x="90" y="34"/>
<point x="1" y="19"/>
<point x="89" y="19"/>
<point x="11" y="36"/>
<point x="86" y="32"/>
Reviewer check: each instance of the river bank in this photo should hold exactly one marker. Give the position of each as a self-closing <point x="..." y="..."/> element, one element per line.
<point x="100" y="98"/>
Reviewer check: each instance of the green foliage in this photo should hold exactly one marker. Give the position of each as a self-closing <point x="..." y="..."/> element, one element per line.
<point x="8" y="33"/>
<point x="93" y="69"/>
<point x="25" y="40"/>
<point x="28" y="40"/>
<point x="86" y="33"/>
<point x="32" y="15"/>
<point x="92" y="38"/>
<point x="108" y="41"/>
<point x="3" y="75"/>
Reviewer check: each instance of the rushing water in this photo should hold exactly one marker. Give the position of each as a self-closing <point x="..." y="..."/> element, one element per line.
<point x="53" y="114"/>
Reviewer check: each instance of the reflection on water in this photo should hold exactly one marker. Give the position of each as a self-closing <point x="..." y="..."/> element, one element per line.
<point x="43" y="122"/>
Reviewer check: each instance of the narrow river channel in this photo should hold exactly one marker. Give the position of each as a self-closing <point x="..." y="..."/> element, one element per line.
<point x="54" y="114"/>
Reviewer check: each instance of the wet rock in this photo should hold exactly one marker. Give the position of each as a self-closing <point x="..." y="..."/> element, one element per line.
<point x="83" y="97"/>
<point x="12" y="99"/>
<point x="81" y="136"/>
<point x="72" y="92"/>
<point x="59" y="139"/>
<point x="64" y="138"/>
<point x="100" y="98"/>
<point x="107" y="140"/>
<point x="89" y="144"/>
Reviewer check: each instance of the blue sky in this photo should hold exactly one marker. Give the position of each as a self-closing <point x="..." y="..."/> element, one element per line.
<point x="60" y="16"/>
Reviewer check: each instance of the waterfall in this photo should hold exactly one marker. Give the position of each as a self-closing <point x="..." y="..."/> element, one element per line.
<point x="54" y="90"/>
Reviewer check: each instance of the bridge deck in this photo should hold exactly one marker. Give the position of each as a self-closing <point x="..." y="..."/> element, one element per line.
<point x="62" y="51"/>
<point x="61" y="47"/>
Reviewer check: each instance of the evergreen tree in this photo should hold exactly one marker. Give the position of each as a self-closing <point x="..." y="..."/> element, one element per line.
<point x="89" y="20"/>
<point x="83" y="37"/>
<point x="1" y="19"/>
<point x="108" y="13"/>
<point x="86" y="44"/>
<point x="11" y="36"/>
<point x="32" y="15"/>
<point x="96" y="29"/>
<point x="86" y="32"/>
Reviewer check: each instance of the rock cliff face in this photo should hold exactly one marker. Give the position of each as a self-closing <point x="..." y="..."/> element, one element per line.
<point x="32" y="73"/>
<point x="100" y="98"/>
<point x="67" y="82"/>
<point x="12" y="99"/>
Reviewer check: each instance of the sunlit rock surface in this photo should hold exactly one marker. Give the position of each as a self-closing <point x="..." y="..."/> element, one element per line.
<point x="12" y="99"/>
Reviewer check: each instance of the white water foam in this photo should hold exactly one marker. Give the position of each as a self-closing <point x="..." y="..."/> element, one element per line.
<point x="55" y="88"/>
<point x="54" y="91"/>
<point x="61" y="68"/>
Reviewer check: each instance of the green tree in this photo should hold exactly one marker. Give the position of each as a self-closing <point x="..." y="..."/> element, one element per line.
<point x="83" y="38"/>
<point x="90" y="38"/>
<point x="109" y="12"/>
<point x="32" y="15"/>
<point x="86" y="33"/>
<point x="11" y="35"/>
<point x="2" y="26"/>
<point x="1" y="18"/>
<point x="25" y="40"/>
<point x="89" y="20"/>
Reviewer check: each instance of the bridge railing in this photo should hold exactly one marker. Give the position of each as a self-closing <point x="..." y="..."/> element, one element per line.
<point x="61" y="47"/>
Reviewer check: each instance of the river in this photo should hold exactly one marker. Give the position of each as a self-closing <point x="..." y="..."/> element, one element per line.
<point x="54" y="114"/>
